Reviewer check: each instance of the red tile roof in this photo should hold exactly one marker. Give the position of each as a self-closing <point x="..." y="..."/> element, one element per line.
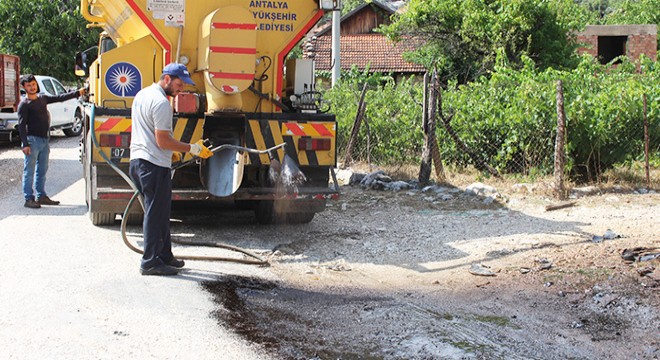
<point x="361" y="50"/>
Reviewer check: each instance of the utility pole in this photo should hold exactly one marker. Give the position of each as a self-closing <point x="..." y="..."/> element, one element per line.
<point x="336" y="60"/>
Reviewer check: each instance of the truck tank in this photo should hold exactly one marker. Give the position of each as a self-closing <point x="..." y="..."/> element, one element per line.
<point x="247" y="94"/>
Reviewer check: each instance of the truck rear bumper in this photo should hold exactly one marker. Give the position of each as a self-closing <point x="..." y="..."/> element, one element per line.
<point x="8" y="127"/>
<point x="115" y="200"/>
<point x="8" y="135"/>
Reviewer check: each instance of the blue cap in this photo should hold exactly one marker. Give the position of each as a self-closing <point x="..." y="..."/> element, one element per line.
<point x="178" y="70"/>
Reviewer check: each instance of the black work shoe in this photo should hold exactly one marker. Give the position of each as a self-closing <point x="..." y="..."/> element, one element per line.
<point x="30" y="203"/>
<point x="45" y="200"/>
<point x="176" y="263"/>
<point x="161" y="269"/>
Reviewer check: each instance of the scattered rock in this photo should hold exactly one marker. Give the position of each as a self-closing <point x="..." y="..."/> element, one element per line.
<point x="523" y="187"/>
<point x="480" y="270"/>
<point x="344" y="176"/>
<point x="398" y="185"/>
<point x="489" y="200"/>
<point x="436" y="189"/>
<point x="584" y="191"/>
<point x="608" y="235"/>
<point x="645" y="270"/>
<point x="339" y="265"/>
<point x="480" y="189"/>
<point x="576" y="325"/>
<point x="544" y="263"/>
<point x="377" y="180"/>
<point x="640" y="254"/>
<point x="284" y="249"/>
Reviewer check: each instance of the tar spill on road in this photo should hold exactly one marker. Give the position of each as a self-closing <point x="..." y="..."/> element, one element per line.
<point x="294" y="323"/>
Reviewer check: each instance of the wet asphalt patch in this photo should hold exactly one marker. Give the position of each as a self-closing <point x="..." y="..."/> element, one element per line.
<point x="294" y="323"/>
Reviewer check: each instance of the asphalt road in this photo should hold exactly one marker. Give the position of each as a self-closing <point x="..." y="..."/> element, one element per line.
<point x="70" y="290"/>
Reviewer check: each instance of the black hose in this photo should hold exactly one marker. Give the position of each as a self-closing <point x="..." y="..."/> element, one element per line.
<point x="136" y="195"/>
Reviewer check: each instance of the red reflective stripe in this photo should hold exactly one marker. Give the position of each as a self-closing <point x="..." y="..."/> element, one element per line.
<point x="233" y="50"/>
<point x="219" y="25"/>
<point x="113" y="196"/>
<point x="322" y="130"/>
<point x="152" y="28"/>
<point x="235" y="76"/>
<point x="109" y="124"/>
<point x="295" y="129"/>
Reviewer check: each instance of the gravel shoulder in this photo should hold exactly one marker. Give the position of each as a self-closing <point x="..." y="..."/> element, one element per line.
<point x="397" y="276"/>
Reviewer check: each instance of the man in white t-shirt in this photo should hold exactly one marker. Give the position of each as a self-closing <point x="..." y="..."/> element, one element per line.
<point x="152" y="145"/>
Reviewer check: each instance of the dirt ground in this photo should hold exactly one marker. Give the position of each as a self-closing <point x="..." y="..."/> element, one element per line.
<point x="439" y="274"/>
<point x="386" y="275"/>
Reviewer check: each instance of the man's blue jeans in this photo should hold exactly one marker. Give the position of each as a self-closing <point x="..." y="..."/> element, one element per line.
<point x="35" y="167"/>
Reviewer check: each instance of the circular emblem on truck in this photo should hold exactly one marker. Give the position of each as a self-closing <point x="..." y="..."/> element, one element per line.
<point x="123" y="79"/>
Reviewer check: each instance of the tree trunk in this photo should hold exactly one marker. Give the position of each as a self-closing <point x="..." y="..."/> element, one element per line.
<point x="435" y="100"/>
<point x="425" y="167"/>
<point x="479" y="163"/>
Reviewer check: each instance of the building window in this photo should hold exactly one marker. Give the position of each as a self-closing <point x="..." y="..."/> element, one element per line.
<point x="610" y="47"/>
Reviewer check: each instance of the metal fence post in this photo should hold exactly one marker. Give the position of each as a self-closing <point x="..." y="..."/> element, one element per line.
<point x="646" y="147"/>
<point x="559" y="143"/>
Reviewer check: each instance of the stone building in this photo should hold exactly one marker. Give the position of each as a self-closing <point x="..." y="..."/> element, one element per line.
<point x="606" y="42"/>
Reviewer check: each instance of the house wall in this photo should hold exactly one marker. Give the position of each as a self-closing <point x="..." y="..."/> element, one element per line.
<point x="364" y="21"/>
<point x="641" y="39"/>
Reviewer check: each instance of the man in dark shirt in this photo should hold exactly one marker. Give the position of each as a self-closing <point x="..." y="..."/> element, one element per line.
<point x="34" y="129"/>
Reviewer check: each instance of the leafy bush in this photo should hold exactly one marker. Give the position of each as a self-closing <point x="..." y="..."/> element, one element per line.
<point x="509" y="119"/>
<point x="393" y="115"/>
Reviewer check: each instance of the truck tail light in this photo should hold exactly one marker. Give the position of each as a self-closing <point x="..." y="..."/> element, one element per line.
<point x="122" y="140"/>
<point x="187" y="103"/>
<point x="313" y="144"/>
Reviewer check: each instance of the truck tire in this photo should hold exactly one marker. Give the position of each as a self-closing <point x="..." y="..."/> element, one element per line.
<point x="266" y="214"/>
<point x="300" y="218"/>
<point x="101" y="219"/>
<point x="77" y="126"/>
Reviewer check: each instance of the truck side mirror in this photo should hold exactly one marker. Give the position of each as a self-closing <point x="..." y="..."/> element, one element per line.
<point x="81" y="64"/>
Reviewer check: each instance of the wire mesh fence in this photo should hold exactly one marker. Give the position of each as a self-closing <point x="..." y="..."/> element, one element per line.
<point x="623" y="149"/>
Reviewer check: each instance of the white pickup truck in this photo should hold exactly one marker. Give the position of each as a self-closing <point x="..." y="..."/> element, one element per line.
<point x="64" y="116"/>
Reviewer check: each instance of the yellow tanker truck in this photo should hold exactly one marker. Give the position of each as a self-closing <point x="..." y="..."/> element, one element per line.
<point x="247" y="96"/>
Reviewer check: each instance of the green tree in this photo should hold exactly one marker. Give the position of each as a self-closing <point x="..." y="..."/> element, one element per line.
<point x="463" y="37"/>
<point x="46" y="34"/>
<point x="348" y="5"/>
<point x="599" y="8"/>
<point x="635" y="12"/>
